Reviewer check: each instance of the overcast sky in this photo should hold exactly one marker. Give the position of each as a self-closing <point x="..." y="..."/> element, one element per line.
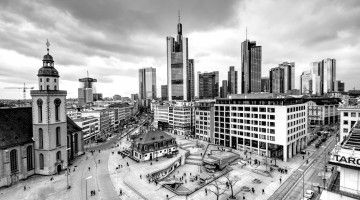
<point x="112" y="39"/>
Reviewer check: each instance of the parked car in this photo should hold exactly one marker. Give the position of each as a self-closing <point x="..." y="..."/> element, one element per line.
<point x="309" y="194"/>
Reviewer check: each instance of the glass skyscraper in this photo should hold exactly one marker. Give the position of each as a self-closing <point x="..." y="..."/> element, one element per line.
<point x="250" y="67"/>
<point x="147" y="83"/>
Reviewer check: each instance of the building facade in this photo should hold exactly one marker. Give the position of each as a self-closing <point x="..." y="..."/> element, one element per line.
<point x="232" y="80"/>
<point x="224" y="89"/>
<point x="204" y="120"/>
<point x="147" y="83"/>
<point x="326" y="70"/>
<point x="85" y="92"/>
<point x="250" y="67"/>
<point x="265" y="84"/>
<point x="275" y="127"/>
<point x="164" y="91"/>
<point x="349" y="115"/>
<point x="208" y="85"/>
<point x="323" y="111"/>
<point x="277" y="80"/>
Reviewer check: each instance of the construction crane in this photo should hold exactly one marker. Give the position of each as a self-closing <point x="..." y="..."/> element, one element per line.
<point x="24" y="89"/>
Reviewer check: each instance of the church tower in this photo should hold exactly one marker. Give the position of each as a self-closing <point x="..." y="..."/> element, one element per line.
<point x="49" y="120"/>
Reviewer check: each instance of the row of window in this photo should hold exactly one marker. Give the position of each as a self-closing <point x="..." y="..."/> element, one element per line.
<point x="293" y="130"/>
<point x="48" y="80"/>
<point x="295" y="122"/>
<point x="295" y="109"/>
<point x="296" y="135"/>
<point x="352" y="114"/>
<point x="296" y="115"/>
<point x="242" y="140"/>
<point x="57" y="103"/>
<point x="246" y="108"/>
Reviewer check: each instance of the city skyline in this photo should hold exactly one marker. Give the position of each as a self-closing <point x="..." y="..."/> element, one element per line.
<point x="324" y="32"/>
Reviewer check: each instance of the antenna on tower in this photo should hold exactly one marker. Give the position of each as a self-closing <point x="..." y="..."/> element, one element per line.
<point x="87" y="73"/>
<point x="246" y="33"/>
<point x="179" y="16"/>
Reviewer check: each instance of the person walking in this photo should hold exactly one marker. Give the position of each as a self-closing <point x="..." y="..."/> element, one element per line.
<point x="263" y="191"/>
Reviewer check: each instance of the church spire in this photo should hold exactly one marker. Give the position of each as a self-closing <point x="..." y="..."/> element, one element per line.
<point x="47" y="45"/>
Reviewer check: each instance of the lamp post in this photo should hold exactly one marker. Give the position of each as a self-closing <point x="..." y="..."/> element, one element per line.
<point x="303" y="177"/>
<point x="86" y="186"/>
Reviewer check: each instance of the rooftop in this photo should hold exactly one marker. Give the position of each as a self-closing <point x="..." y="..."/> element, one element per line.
<point x="153" y="136"/>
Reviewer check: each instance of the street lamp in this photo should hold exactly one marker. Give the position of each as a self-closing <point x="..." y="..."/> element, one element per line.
<point x="303" y="177"/>
<point x="86" y="186"/>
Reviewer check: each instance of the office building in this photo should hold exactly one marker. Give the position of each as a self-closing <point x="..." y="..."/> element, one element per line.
<point x="322" y="111"/>
<point x="164" y="91"/>
<point x="85" y="92"/>
<point x="147" y="83"/>
<point x="310" y="83"/>
<point x="349" y="115"/>
<point x="180" y="70"/>
<point x="276" y="80"/>
<point x="90" y="127"/>
<point x="204" y="120"/>
<point x="134" y="97"/>
<point x="265" y="125"/>
<point x="250" y="67"/>
<point x="208" y="85"/>
<point x="265" y="84"/>
<point x="289" y="75"/>
<point x="339" y="86"/>
<point x="224" y="89"/>
<point x="326" y="70"/>
<point x="345" y="183"/>
<point x="232" y="80"/>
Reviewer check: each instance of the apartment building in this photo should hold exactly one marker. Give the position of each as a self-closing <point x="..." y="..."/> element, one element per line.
<point x="275" y="127"/>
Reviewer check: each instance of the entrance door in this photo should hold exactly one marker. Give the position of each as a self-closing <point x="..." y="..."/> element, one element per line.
<point x="58" y="169"/>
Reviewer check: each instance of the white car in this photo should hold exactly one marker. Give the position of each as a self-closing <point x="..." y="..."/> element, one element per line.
<point x="309" y="194"/>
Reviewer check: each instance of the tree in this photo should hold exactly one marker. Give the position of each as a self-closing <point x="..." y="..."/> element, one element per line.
<point x="219" y="188"/>
<point x="231" y="182"/>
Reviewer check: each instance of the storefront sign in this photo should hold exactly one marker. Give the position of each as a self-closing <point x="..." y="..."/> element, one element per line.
<point x="345" y="160"/>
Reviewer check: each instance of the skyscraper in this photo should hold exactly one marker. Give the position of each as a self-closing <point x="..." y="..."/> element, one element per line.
<point x="223" y="89"/>
<point x="339" y="86"/>
<point x="265" y="84"/>
<point x="147" y="83"/>
<point x="289" y="75"/>
<point x="85" y="92"/>
<point x="276" y="80"/>
<point x="180" y="71"/>
<point x="209" y="85"/>
<point x="164" y="91"/>
<point x="250" y="67"/>
<point x="191" y="79"/>
<point x="232" y="80"/>
<point x="326" y="70"/>
<point x="329" y="74"/>
<point x="309" y="83"/>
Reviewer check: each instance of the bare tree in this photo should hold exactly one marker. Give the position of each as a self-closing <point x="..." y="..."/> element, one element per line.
<point x="231" y="182"/>
<point x="219" y="189"/>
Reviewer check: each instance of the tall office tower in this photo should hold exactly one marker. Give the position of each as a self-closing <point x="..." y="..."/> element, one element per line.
<point x="164" y="92"/>
<point x="265" y="84"/>
<point x="326" y="70"/>
<point x="250" y="67"/>
<point x="85" y="92"/>
<point x="232" y="80"/>
<point x="147" y="83"/>
<point x="179" y="74"/>
<point x="135" y="97"/>
<point x="277" y="80"/>
<point x="329" y="76"/>
<point x="309" y="83"/>
<point x="191" y="79"/>
<point x="209" y="85"/>
<point x="339" y="86"/>
<point x="223" y="89"/>
<point x="289" y="75"/>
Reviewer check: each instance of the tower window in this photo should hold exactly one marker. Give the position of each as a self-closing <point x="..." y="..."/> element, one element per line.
<point x="39" y="104"/>
<point x="41" y="161"/>
<point x="40" y="79"/>
<point x="57" y="103"/>
<point x="58" y="155"/>
<point x="47" y="79"/>
<point x="13" y="161"/>
<point x="47" y="87"/>
<point x="58" y="136"/>
<point x="40" y="87"/>
<point x="41" y="139"/>
<point x="55" y="80"/>
<point x="55" y="87"/>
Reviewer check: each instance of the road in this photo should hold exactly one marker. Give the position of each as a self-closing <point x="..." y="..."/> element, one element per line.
<point x="292" y="187"/>
<point x="312" y="173"/>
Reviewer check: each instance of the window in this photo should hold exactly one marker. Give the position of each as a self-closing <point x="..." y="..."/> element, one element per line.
<point x="47" y="79"/>
<point x="13" y="161"/>
<point x="58" y="136"/>
<point x="353" y="114"/>
<point x="29" y="158"/>
<point x="57" y="103"/>
<point x="55" y="87"/>
<point x="40" y="87"/>
<point x="58" y="155"/>
<point x="346" y="114"/>
<point x="55" y="80"/>
<point x="345" y="130"/>
<point x="40" y="79"/>
<point x="41" y="161"/>
<point x="39" y="104"/>
<point x="47" y="87"/>
<point x="346" y="122"/>
<point x="41" y="139"/>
